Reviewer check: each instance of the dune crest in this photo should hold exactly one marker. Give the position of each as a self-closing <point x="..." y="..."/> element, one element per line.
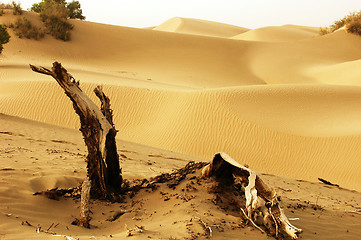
<point x="200" y="27"/>
<point x="286" y="33"/>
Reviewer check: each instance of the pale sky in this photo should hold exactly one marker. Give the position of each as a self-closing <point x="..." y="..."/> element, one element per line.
<point x="244" y="13"/>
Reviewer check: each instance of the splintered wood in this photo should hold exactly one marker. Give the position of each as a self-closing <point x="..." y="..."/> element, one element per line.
<point x="261" y="201"/>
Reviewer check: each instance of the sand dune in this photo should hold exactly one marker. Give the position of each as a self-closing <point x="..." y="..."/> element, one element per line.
<point x="199" y="95"/>
<point x="200" y="27"/>
<point x="286" y="33"/>
<point x="281" y="99"/>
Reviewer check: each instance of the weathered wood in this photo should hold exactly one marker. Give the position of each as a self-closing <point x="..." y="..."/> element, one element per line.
<point x="98" y="131"/>
<point x="327" y="182"/>
<point x="260" y="199"/>
<point x="110" y="152"/>
<point x="84" y="204"/>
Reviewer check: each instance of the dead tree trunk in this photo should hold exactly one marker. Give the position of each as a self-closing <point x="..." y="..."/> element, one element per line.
<point x="98" y="131"/>
<point x="261" y="201"/>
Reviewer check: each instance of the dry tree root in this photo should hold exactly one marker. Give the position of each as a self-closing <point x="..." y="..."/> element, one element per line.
<point x="261" y="201"/>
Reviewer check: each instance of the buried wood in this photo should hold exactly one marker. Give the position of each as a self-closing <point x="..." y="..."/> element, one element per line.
<point x="103" y="170"/>
<point x="261" y="201"/>
<point x="84" y="205"/>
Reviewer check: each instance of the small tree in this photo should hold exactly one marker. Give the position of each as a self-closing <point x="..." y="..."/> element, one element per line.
<point x="55" y="15"/>
<point x="74" y="8"/>
<point x="17" y="10"/>
<point x="4" y="36"/>
<point x="75" y="11"/>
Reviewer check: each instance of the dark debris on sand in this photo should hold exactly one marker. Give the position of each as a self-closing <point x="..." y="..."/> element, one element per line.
<point x="131" y="187"/>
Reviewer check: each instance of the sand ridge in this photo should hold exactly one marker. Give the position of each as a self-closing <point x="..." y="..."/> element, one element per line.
<point x="200" y="27"/>
<point x="286" y="33"/>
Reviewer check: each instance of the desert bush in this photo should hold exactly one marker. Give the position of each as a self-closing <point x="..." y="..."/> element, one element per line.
<point x="58" y="27"/>
<point x="74" y="8"/>
<point x="75" y="11"/>
<point x="6" y="6"/>
<point x="351" y="21"/>
<point x="1" y="12"/>
<point x="24" y="28"/>
<point x="324" y="31"/>
<point x="17" y="10"/>
<point x="354" y="27"/>
<point x="4" y="36"/>
<point x="55" y="15"/>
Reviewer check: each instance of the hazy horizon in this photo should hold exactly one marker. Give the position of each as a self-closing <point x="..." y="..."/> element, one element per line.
<point x="255" y="14"/>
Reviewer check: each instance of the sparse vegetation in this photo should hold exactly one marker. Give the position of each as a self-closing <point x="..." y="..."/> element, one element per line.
<point x="4" y="36"/>
<point x="6" y="6"/>
<point x="75" y="11"/>
<point x="352" y="22"/>
<point x="55" y="15"/>
<point x="24" y="28"/>
<point x="74" y="8"/>
<point x="17" y="10"/>
<point x="16" y="7"/>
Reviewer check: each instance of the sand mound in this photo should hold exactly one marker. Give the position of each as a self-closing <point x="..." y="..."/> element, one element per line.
<point x="285" y="33"/>
<point x="200" y="27"/>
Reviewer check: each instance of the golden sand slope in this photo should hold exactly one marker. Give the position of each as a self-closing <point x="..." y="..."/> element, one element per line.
<point x="284" y="33"/>
<point x="36" y="156"/>
<point x="200" y="27"/>
<point x="277" y="106"/>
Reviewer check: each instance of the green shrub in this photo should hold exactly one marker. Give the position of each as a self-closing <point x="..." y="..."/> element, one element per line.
<point x="55" y="15"/>
<point x="24" y="28"/>
<point x="4" y="36"/>
<point x="351" y="21"/>
<point x="354" y="27"/>
<point x="58" y="27"/>
<point x="1" y="12"/>
<point x="37" y="7"/>
<point x="17" y="10"/>
<point x="75" y="11"/>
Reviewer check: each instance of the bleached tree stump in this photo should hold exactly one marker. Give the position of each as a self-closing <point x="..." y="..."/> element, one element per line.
<point x="98" y="130"/>
<point x="261" y="201"/>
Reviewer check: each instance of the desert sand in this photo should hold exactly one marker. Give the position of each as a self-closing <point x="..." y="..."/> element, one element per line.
<point x="283" y="100"/>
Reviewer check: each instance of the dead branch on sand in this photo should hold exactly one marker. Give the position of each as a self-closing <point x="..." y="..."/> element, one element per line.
<point x="261" y="202"/>
<point x="98" y="130"/>
<point x="207" y="228"/>
<point x="327" y="182"/>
